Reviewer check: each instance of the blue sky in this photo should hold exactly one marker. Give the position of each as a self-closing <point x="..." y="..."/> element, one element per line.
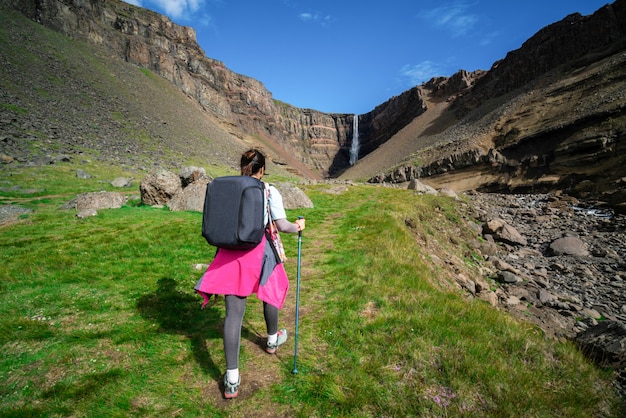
<point x="349" y="56"/>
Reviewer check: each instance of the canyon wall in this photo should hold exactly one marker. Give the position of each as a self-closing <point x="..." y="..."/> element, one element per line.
<point x="313" y="143"/>
<point x="550" y="114"/>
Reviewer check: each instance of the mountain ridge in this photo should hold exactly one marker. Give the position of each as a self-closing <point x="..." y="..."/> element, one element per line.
<point x="451" y="131"/>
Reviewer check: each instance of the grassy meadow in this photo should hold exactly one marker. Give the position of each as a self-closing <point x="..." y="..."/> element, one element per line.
<point x="98" y="317"/>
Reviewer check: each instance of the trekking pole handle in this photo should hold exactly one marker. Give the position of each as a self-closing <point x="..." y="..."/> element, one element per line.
<point x="300" y="231"/>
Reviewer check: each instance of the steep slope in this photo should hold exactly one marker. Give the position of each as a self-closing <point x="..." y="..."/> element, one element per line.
<point x="543" y="118"/>
<point x="548" y="115"/>
<point x="240" y="104"/>
<point x="404" y="143"/>
<point x="61" y="96"/>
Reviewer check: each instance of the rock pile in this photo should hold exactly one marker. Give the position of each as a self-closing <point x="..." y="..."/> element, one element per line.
<point x="184" y="191"/>
<point x="561" y="264"/>
<point x="187" y="190"/>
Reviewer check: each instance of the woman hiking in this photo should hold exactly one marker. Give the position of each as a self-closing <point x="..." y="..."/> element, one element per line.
<point x="239" y="273"/>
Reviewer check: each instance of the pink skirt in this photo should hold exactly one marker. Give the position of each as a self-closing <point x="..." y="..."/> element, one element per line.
<point x="239" y="272"/>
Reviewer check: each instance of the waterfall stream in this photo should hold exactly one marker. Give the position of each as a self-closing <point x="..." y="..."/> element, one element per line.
<point x="354" y="148"/>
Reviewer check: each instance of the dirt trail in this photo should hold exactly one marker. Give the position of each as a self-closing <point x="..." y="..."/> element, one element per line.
<point x="259" y="370"/>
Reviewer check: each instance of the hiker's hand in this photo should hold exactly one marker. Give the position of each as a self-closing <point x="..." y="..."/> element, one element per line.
<point x="301" y="224"/>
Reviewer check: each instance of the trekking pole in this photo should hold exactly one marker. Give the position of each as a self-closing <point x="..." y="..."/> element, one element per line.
<point x="295" y="352"/>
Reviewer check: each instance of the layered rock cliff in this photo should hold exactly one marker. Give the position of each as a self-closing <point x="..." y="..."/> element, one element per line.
<point x="550" y="114"/>
<point x="303" y="139"/>
<point x="313" y="144"/>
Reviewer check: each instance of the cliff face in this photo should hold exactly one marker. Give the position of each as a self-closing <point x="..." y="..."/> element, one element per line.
<point x="379" y="125"/>
<point x="304" y="139"/>
<point x="550" y="114"/>
<point x="311" y="143"/>
<point x="563" y="42"/>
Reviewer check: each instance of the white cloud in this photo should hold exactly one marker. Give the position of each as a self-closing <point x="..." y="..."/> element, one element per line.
<point x="175" y="9"/>
<point x="420" y="73"/>
<point x="182" y="10"/>
<point x="488" y="38"/>
<point x="206" y="20"/>
<point x="172" y="8"/>
<point x="316" y="18"/>
<point x="454" y="18"/>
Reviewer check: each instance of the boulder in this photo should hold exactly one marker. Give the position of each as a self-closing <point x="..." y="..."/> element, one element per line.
<point x="159" y="187"/>
<point x="503" y="232"/>
<point x="493" y="225"/>
<point x="507" y="277"/>
<point x="605" y="343"/>
<point x="121" y="182"/>
<point x="420" y="187"/>
<point x="510" y="235"/>
<point x="190" y="198"/>
<point x="569" y="246"/>
<point x="489" y="297"/>
<point x="11" y="213"/>
<point x="191" y="174"/>
<point x="544" y="296"/>
<point x="504" y="266"/>
<point x="293" y="197"/>
<point x="98" y="200"/>
<point x="82" y="174"/>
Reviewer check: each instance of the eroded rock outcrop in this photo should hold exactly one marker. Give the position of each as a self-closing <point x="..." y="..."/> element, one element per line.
<point x="551" y="114"/>
<point x="159" y="187"/>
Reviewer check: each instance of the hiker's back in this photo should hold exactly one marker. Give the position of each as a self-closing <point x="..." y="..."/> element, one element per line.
<point x="233" y="215"/>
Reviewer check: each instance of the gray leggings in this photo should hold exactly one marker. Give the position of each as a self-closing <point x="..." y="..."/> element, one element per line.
<point x="235" y="309"/>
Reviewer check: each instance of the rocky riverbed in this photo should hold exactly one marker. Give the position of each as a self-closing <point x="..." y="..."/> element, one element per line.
<point x="561" y="264"/>
<point x="573" y="253"/>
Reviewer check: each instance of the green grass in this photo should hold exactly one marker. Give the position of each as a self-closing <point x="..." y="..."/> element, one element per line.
<point x="98" y="318"/>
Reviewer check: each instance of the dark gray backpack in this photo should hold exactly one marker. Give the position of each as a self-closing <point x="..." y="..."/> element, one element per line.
<point x="234" y="210"/>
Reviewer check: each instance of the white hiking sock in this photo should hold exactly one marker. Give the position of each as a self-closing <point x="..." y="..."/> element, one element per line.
<point x="271" y="339"/>
<point x="232" y="375"/>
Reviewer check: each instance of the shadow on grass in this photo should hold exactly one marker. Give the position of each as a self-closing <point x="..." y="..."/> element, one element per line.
<point x="84" y="387"/>
<point x="179" y="313"/>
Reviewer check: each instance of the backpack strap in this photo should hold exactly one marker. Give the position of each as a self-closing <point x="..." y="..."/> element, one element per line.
<point x="267" y="206"/>
<point x="271" y="232"/>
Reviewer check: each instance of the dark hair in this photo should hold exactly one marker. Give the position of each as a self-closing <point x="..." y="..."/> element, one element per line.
<point x="251" y="162"/>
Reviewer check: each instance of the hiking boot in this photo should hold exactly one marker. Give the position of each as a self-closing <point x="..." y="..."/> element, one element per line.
<point x="282" y="337"/>
<point x="231" y="390"/>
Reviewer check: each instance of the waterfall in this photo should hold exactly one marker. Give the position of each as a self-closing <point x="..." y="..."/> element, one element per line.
<point x="354" y="148"/>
